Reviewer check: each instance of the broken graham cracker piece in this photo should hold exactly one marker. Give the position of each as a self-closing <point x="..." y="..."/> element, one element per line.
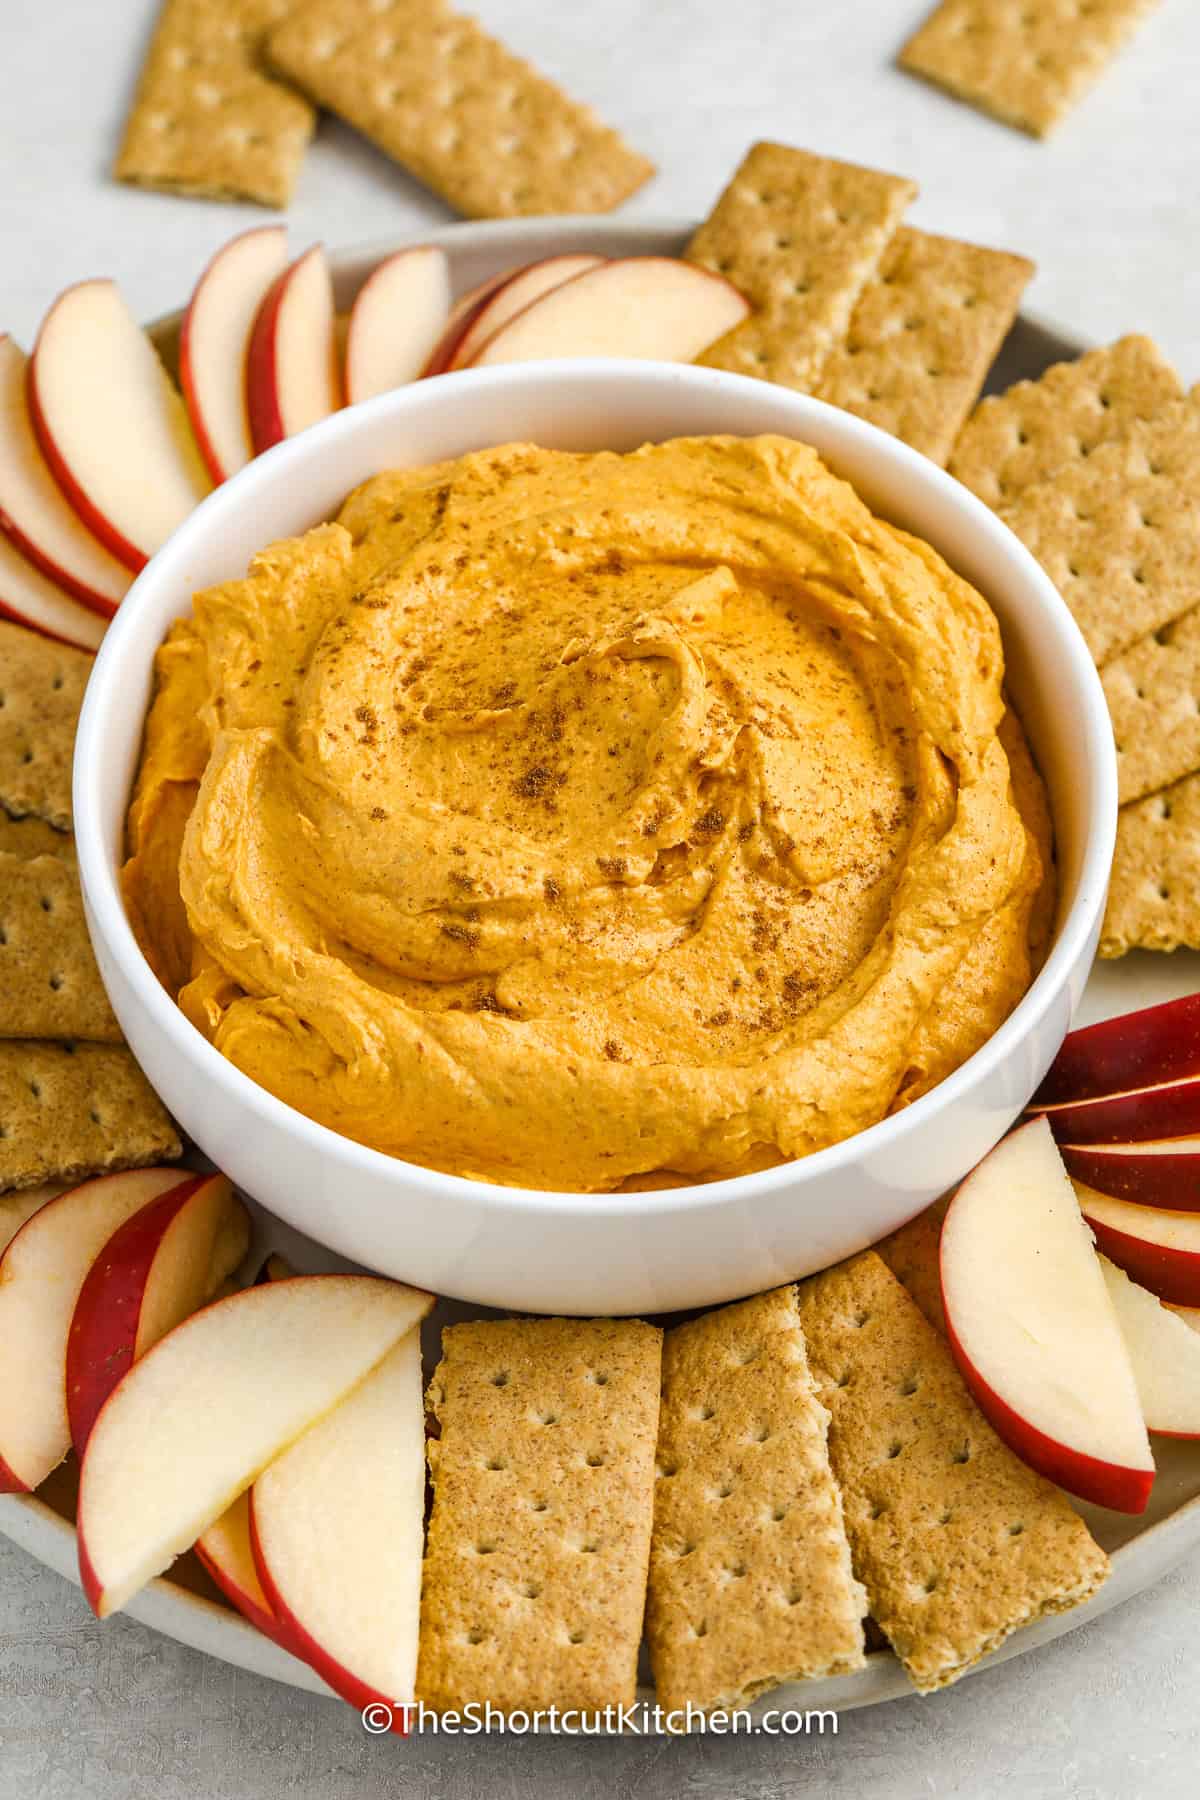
<point x="750" y="1577"/>
<point x="70" y="1110"/>
<point x="208" y="119"/>
<point x="957" y="1541"/>
<point x="1119" y="533"/>
<point x="1029" y="433"/>
<point x="923" y="336"/>
<point x="1024" y="61"/>
<point x="800" y="236"/>
<point x="29" y="837"/>
<point x="543" y="1493"/>
<point x="913" y="1253"/>
<point x="1153" y="694"/>
<point x="457" y="109"/>
<point x="50" y="986"/>
<point x="41" y="688"/>
<point x="1154" y="890"/>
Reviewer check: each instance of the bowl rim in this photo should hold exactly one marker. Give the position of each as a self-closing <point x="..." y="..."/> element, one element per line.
<point x="108" y="919"/>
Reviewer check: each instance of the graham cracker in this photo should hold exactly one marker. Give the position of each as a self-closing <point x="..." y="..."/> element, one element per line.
<point x="70" y="1110"/>
<point x="50" y="986"/>
<point x="750" y="1577"/>
<point x="207" y="118"/>
<point x="1153" y="694"/>
<point x="923" y="336"/>
<point x="1154" y="891"/>
<point x="957" y="1542"/>
<point x="464" y="115"/>
<point x="913" y="1254"/>
<point x="1029" y="433"/>
<point x="1025" y="63"/>
<point x="1119" y="533"/>
<point x="543" y="1495"/>
<point x="801" y="236"/>
<point x="31" y="836"/>
<point x="41" y="688"/>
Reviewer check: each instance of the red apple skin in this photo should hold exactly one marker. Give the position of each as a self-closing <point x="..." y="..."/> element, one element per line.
<point x="103" y="1337"/>
<point x="1173" y="1275"/>
<point x="262" y="1621"/>
<point x="1169" y="1182"/>
<point x="10" y="1483"/>
<point x="463" y="315"/>
<point x="6" y="612"/>
<point x="1166" y="1110"/>
<point x="262" y="394"/>
<point x="1087" y="1477"/>
<point x="1158" y="1043"/>
<point x="96" y="523"/>
<point x="343" y="1683"/>
<point x="88" y="1578"/>
<point x="75" y="589"/>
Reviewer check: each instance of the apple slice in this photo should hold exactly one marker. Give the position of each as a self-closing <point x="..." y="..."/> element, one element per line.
<point x="16" y="1207"/>
<point x="1164" y="1353"/>
<point x="111" y="424"/>
<point x="337" y="1524"/>
<point x="227" y="1553"/>
<point x="1159" y="1248"/>
<point x="512" y="297"/>
<point x="41" y="1274"/>
<point x="196" y="1421"/>
<point x="28" y="598"/>
<point x="1165" y="1109"/>
<point x="292" y="376"/>
<point x="225" y="1548"/>
<point x="157" y="1267"/>
<point x="465" y="308"/>
<point x="638" y="306"/>
<point x="1189" y="1314"/>
<point x="34" y="515"/>
<point x="215" y="340"/>
<point x="1033" y="1329"/>
<point x="399" y="315"/>
<point x="1164" y="1173"/>
<point x="1156" y="1044"/>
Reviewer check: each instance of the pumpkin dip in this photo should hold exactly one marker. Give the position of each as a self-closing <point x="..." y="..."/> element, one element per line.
<point x="580" y="821"/>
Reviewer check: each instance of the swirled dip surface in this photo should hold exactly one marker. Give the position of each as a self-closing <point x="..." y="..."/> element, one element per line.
<point x="573" y="821"/>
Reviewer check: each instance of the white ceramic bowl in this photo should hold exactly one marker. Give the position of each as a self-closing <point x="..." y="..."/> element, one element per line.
<point x="578" y="1253"/>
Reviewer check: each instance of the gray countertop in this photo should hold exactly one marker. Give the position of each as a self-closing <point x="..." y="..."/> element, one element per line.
<point x="1108" y="209"/>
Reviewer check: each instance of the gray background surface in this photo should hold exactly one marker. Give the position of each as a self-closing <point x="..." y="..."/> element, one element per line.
<point x="1108" y="209"/>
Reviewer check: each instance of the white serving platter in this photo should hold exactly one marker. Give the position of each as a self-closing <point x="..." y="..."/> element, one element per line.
<point x="186" y="1607"/>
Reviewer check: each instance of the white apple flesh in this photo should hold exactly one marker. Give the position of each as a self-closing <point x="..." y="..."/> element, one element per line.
<point x="34" y="515"/>
<point x="159" y="1266"/>
<point x="1033" y="1329"/>
<point x="28" y="598"/>
<point x="41" y="1274"/>
<point x="639" y="306"/>
<point x="337" y="1527"/>
<point x="228" y="1555"/>
<point x="111" y="424"/>
<point x="17" y="1206"/>
<point x="397" y="318"/>
<point x="512" y="297"/>
<point x="1165" y="1355"/>
<point x="196" y="1421"/>
<point x="1158" y="1247"/>
<point x="292" y="375"/>
<point x="464" y="310"/>
<point x="214" y="343"/>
